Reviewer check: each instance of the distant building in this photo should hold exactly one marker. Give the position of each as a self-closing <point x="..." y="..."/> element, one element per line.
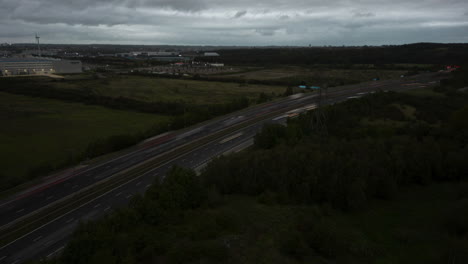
<point x="211" y="54"/>
<point x="4" y="53"/>
<point x="32" y="66"/>
<point x="126" y="55"/>
<point x="67" y="66"/>
<point x="160" y="54"/>
<point x="171" y="59"/>
<point x="135" y="54"/>
<point x="52" y="52"/>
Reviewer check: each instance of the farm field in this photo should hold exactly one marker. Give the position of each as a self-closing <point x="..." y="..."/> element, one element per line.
<point x="149" y="89"/>
<point x="312" y="76"/>
<point x="37" y="132"/>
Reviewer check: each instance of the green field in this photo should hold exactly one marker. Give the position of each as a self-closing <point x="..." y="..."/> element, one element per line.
<point x="313" y="76"/>
<point x="38" y="131"/>
<point x="160" y="89"/>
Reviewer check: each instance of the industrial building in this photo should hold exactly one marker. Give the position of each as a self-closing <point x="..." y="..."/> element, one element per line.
<point x="211" y="54"/>
<point x="31" y="66"/>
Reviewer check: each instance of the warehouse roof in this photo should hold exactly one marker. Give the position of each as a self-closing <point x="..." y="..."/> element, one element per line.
<point x="24" y="60"/>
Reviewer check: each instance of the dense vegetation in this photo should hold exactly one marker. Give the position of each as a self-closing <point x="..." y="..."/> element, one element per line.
<point x="422" y="53"/>
<point x="94" y="93"/>
<point x="324" y="189"/>
<point x="316" y="75"/>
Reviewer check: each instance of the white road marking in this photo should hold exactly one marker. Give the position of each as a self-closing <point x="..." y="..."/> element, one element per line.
<point x="138" y="183"/>
<point x="97" y="205"/>
<point x="129" y="196"/>
<point x="53" y="253"/>
<point x="37" y="238"/>
<point x="147" y="186"/>
<point x="48" y="242"/>
<point x="118" y="194"/>
<point x="70" y="220"/>
<point x="69" y="212"/>
<point x="2" y="258"/>
<point x="107" y="208"/>
<point x="16" y="261"/>
<point x="19" y="211"/>
<point x="86" y="203"/>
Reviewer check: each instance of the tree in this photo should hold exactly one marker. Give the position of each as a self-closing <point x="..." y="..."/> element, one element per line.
<point x="289" y="91"/>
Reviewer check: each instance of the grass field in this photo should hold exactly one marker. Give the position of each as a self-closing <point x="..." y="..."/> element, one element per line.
<point x="159" y="89"/>
<point x="36" y="131"/>
<point x="315" y="76"/>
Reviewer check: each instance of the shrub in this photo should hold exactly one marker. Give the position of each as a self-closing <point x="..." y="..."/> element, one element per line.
<point x="457" y="220"/>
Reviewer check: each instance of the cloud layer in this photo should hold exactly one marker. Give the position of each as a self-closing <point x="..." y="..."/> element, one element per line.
<point x="241" y="22"/>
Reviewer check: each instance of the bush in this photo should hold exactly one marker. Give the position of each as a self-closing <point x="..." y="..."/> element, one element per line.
<point x="210" y="251"/>
<point x="457" y="220"/>
<point x="332" y="240"/>
<point x="455" y="252"/>
<point x="293" y="245"/>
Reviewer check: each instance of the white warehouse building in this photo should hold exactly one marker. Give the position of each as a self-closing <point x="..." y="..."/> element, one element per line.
<point x="28" y="66"/>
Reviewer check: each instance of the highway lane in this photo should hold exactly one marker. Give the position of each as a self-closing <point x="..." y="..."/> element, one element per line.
<point x="49" y="238"/>
<point x="16" y="208"/>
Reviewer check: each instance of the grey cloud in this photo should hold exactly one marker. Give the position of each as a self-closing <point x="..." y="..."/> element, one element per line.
<point x="182" y="5"/>
<point x="240" y="14"/>
<point x="266" y="31"/>
<point x="363" y="14"/>
<point x="210" y="21"/>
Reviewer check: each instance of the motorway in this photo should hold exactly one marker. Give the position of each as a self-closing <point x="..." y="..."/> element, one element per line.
<point x="37" y="222"/>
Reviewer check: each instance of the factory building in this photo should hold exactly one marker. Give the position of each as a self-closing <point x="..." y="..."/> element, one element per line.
<point x="211" y="54"/>
<point x="30" y="66"/>
<point x="67" y="66"/>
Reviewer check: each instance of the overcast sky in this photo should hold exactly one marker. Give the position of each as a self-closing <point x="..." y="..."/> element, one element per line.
<point x="235" y="22"/>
